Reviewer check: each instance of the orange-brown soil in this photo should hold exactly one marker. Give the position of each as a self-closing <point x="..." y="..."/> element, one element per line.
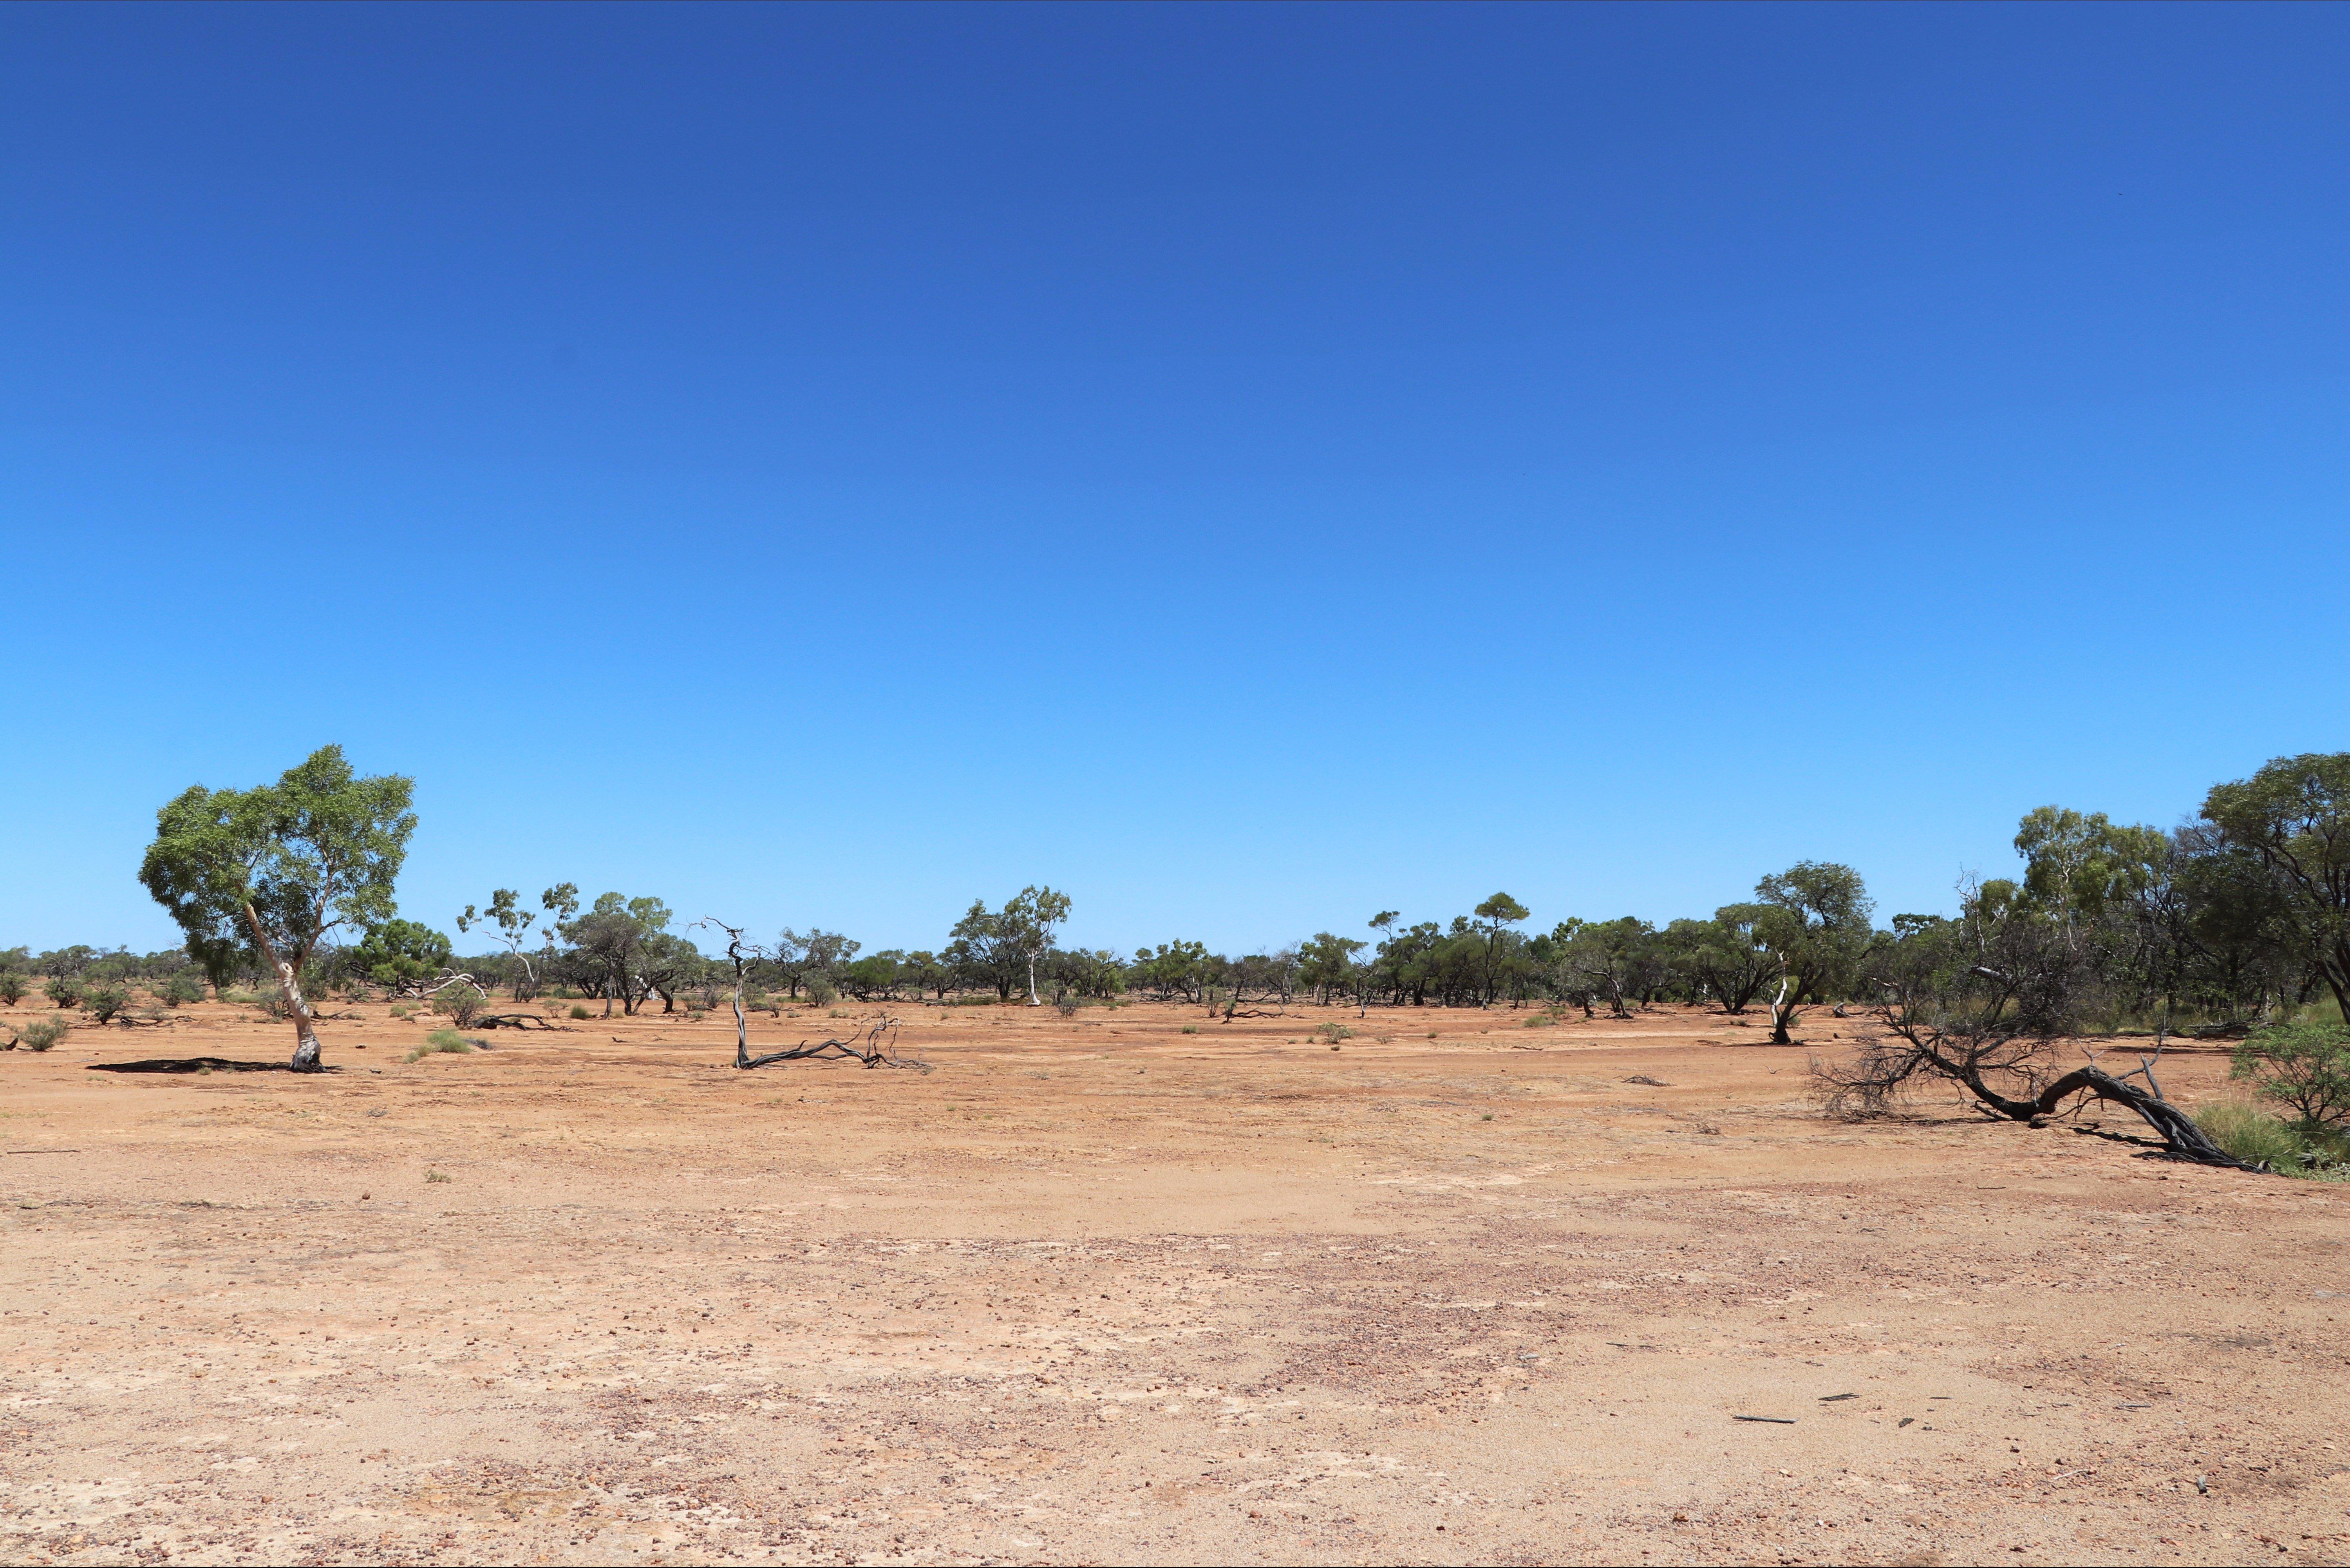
<point x="1099" y="1289"/>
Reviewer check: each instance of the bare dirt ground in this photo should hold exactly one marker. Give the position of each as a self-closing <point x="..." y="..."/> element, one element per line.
<point x="1098" y="1290"/>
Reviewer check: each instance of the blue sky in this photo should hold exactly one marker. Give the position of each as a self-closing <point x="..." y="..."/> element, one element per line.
<point x="1249" y="467"/>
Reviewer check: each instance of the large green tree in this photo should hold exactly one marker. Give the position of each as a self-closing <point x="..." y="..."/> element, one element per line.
<point x="1815" y="920"/>
<point x="273" y="870"/>
<point x="2294" y="816"/>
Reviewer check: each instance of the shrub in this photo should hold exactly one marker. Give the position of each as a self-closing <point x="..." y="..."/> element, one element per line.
<point x="182" y="989"/>
<point x="1331" y="1033"/>
<point x="459" y="1004"/>
<point x="820" y="991"/>
<point x="1190" y="1029"/>
<point x="105" y="1002"/>
<point x="2305" y="1065"/>
<point x="43" y="1033"/>
<point x="442" y="1040"/>
<point x="579" y="1010"/>
<point x="12" y="989"/>
<point x="2256" y="1137"/>
<point x="64" y="990"/>
<point x="1066" y="1005"/>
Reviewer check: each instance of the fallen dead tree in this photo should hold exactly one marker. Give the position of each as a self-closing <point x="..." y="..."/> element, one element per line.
<point x="876" y="1046"/>
<point x="1984" y="1005"/>
<point x="512" y="1021"/>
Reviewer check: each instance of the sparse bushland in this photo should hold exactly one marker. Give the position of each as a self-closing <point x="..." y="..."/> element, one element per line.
<point x="181" y="989"/>
<point x="65" y="990"/>
<point x="11" y="988"/>
<point x="104" y="1003"/>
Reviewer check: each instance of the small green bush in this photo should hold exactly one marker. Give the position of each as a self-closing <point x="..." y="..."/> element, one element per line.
<point x="65" y="990"/>
<point x="1331" y="1033"/>
<point x="1190" y="1029"/>
<point x="104" y="1003"/>
<point x="459" y="1003"/>
<point x="12" y="989"/>
<point x="2256" y="1137"/>
<point x="2305" y="1065"/>
<point x="442" y="1040"/>
<point x="1066" y="1005"/>
<point x="820" y="991"/>
<point x="43" y="1033"/>
<point x="579" y="1010"/>
<point x="182" y="989"/>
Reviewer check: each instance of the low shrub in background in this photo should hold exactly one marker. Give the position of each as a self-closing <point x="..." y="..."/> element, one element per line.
<point x="43" y="1033"/>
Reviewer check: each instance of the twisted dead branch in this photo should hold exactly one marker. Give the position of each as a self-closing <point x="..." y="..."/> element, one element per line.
<point x="1996" y="1042"/>
<point x="875" y="1047"/>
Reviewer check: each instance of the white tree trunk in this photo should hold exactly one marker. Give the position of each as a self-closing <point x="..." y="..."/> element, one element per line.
<point x="1033" y="1000"/>
<point x="306" y="1038"/>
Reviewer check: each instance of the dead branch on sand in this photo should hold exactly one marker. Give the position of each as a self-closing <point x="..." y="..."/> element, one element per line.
<point x="876" y="1047"/>
<point x="1989" y="1019"/>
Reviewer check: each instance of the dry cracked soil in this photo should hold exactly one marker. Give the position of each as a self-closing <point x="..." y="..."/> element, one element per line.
<point x="1134" y="1286"/>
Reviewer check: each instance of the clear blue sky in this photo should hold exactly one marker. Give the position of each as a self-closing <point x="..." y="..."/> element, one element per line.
<point x="1248" y="466"/>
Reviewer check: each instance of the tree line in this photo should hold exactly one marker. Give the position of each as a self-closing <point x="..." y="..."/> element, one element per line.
<point x="2235" y="916"/>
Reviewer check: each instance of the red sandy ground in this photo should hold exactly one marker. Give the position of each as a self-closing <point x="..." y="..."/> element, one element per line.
<point x="1099" y="1289"/>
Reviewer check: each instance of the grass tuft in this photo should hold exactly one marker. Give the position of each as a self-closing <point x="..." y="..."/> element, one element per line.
<point x="439" y="1042"/>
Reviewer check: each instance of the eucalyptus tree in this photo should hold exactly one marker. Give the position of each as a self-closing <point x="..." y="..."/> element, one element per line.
<point x="276" y="869"/>
<point x="513" y="923"/>
<point x="1030" y="919"/>
<point x="1498" y="912"/>
<point x="1815" y="920"/>
<point x="2293" y="817"/>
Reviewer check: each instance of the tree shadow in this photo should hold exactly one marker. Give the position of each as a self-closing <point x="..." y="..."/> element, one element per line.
<point x="195" y="1065"/>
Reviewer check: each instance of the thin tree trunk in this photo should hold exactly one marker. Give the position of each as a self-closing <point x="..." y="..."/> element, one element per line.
<point x="306" y="1038"/>
<point x="1033" y="999"/>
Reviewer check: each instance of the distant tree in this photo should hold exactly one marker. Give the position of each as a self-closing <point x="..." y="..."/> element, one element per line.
<point x="513" y="923"/>
<point x="2294" y="817"/>
<point x="1499" y="911"/>
<point x="1814" y="920"/>
<point x="401" y="953"/>
<point x="1326" y="964"/>
<point x="278" y="867"/>
<point x="610" y="940"/>
<point x="1028" y="923"/>
<point x="1726" y="955"/>
<point x="1170" y="970"/>
<point x="983" y="950"/>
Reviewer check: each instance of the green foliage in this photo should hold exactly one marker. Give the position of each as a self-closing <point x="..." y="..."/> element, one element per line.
<point x="2305" y="1065"/>
<point x="459" y="1004"/>
<point x="64" y="990"/>
<point x="269" y="872"/>
<point x="43" y="1033"/>
<point x="2252" y="1135"/>
<point x="182" y="989"/>
<point x="397" y="953"/>
<point x="1331" y="1033"/>
<point x="579" y="1010"/>
<point x="11" y="988"/>
<point x="820" y="993"/>
<point x="2293" y="817"/>
<point x="105" y="1002"/>
<point x="441" y="1042"/>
